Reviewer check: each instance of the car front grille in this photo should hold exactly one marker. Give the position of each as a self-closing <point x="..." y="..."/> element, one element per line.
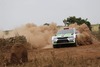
<point x="62" y="40"/>
<point x="62" y="37"/>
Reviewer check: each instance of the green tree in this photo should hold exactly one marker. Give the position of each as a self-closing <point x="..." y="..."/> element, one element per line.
<point x="79" y="21"/>
<point x="46" y="24"/>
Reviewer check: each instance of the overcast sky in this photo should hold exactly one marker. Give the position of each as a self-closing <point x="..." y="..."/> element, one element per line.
<point x="14" y="13"/>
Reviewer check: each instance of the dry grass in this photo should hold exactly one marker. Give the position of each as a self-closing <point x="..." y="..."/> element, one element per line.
<point x="65" y="61"/>
<point x="97" y="35"/>
<point x="84" y="56"/>
<point x="62" y="59"/>
<point x="95" y="27"/>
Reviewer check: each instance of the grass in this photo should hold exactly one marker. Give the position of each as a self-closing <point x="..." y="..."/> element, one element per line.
<point x="42" y="60"/>
<point x="96" y="34"/>
<point x="54" y="58"/>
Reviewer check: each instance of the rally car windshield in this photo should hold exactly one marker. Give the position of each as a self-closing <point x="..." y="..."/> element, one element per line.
<point x="65" y="31"/>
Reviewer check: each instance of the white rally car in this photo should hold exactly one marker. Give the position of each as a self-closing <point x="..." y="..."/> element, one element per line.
<point x="65" y="38"/>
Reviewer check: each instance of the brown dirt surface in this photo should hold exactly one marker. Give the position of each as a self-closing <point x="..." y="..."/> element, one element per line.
<point x="80" y="56"/>
<point x="88" y="55"/>
<point x="86" y="51"/>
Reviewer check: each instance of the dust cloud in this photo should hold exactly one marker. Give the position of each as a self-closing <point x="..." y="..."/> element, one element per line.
<point x="37" y="36"/>
<point x="85" y="37"/>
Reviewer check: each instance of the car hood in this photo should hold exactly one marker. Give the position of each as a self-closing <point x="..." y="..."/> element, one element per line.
<point x="64" y="35"/>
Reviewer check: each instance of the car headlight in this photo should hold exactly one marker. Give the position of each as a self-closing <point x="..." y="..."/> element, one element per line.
<point x="71" y="38"/>
<point x="54" y="39"/>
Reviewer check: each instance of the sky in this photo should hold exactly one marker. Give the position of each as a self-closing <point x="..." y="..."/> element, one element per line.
<point x="14" y="13"/>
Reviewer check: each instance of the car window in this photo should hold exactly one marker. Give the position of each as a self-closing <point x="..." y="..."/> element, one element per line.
<point x="65" y="31"/>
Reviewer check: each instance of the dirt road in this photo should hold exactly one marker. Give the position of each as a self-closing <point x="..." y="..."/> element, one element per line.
<point x="86" y="51"/>
<point x="82" y="56"/>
